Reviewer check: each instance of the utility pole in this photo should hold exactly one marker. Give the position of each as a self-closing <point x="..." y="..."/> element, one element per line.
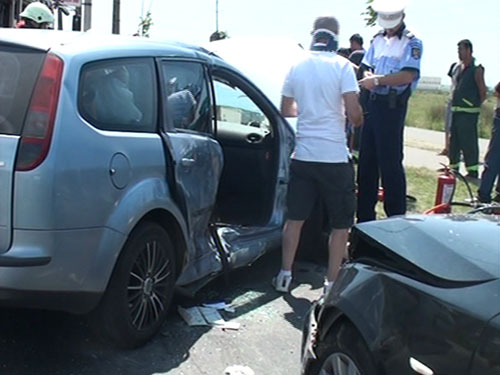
<point x="216" y="15"/>
<point x="87" y="14"/>
<point x="116" y="17"/>
<point x="59" y="19"/>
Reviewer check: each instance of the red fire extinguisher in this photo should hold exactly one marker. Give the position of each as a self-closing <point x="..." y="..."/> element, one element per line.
<point x="380" y="194"/>
<point x="446" y="186"/>
<point x="444" y="193"/>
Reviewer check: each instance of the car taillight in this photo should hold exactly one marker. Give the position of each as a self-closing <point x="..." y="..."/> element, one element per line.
<point x="39" y="123"/>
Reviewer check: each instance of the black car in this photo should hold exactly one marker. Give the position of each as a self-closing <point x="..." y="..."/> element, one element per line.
<point x="421" y="295"/>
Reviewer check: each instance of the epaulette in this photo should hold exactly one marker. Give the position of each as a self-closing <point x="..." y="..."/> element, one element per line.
<point x="381" y="32"/>
<point x="407" y="33"/>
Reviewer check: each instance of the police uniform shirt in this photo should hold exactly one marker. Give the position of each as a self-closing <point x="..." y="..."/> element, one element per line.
<point x="391" y="55"/>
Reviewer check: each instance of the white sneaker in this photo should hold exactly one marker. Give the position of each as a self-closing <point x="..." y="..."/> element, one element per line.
<point x="282" y="283"/>
<point x="327" y="286"/>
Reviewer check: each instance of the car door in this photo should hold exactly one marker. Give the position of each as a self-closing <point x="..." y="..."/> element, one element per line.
<point x="194" y="157"/>
<point x="254" y="135"/>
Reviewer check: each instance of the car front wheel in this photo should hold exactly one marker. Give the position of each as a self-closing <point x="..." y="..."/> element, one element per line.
<point x="343" y="352"/>
<point x="139" y="293"/>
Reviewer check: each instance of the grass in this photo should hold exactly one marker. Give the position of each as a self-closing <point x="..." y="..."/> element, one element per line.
<point x="421" y="184"/>
<point x="427" y="110"/>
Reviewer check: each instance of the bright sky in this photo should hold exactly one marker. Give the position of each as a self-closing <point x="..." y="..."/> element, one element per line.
<point x="439" y="23"/>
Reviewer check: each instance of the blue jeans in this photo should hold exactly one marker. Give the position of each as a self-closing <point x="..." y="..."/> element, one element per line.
<point x="491" y="162"/>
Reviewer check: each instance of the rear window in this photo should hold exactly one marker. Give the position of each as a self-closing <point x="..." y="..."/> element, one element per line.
<point x="119" y="94"/>
<point x="19" y="70"/>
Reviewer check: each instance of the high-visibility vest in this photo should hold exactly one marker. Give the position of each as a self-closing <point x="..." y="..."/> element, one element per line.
<point x="465" y="96"/>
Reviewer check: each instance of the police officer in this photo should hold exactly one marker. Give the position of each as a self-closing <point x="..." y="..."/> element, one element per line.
<point x="393" y="63"/>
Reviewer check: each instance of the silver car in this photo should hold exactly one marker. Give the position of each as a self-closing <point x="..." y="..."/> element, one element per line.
<point x="129" y="167"/>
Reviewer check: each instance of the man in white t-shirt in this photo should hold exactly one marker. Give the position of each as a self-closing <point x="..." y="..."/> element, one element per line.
<point x="320" y="89"/>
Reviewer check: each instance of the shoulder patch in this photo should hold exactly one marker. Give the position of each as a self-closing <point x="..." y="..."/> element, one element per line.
<point x="416" y="53"/>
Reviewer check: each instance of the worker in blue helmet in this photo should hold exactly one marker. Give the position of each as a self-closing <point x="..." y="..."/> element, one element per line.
<point x="392" y="70"/>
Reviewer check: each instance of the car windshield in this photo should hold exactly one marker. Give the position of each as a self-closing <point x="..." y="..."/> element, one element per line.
<point x="18" y="72"/>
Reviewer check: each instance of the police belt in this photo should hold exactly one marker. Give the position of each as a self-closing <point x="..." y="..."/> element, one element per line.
<point x="392" y="98"/>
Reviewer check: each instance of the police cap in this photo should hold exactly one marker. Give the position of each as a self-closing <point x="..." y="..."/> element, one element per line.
<point x="389" y="12"/>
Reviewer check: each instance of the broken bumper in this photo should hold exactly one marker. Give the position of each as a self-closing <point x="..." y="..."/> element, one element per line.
<point x="309" y="337"/>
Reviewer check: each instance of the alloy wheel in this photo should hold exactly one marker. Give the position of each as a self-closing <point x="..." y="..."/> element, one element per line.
<point x="339" y="364"/>
<point x="148" y="287"/>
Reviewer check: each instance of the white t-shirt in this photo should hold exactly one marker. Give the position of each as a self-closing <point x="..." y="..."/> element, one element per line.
<point x="317" y="83"/>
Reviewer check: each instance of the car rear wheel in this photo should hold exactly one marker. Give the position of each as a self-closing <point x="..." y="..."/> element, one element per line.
<point x="343" y="352"/>
<point x="139" y="293"/>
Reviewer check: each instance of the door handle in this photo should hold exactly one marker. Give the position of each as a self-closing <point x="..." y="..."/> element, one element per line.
<point x="187" y="162"/>
<point x="254" y="138"/>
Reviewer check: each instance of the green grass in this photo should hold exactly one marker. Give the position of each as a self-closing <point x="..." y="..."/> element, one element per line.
<point x="427" y="110"/>
<point x="422" y="183"/>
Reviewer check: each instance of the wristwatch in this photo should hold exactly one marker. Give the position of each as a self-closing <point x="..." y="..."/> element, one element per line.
<point x="377" y="82"/>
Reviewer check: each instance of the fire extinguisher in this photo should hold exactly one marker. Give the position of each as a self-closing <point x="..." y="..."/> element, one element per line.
<point x="380" y="194"/>
<point x="445" y="188"/>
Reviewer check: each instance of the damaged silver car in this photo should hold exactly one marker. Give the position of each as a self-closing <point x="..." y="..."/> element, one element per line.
<point x="129" y="167"/>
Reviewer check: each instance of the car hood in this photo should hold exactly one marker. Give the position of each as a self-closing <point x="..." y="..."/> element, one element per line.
<point x="462" y="248"/>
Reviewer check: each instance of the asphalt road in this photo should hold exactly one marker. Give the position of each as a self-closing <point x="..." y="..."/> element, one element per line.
<point x="268" y="341"/>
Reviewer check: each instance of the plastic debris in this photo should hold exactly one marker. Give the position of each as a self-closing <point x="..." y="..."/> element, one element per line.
<point x="238" y="370"/>
<point x="220" y="306"/>
<point x="192" y="316"/>
<point x="212" y="316"/>
<point x="205" y="316"/>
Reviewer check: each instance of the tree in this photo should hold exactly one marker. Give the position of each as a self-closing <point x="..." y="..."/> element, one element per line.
<point x="370" y="15"/>
<point x="145" y="23"/>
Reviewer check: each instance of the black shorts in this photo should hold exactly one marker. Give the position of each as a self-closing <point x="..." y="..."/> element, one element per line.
<point x="333" y="183"/>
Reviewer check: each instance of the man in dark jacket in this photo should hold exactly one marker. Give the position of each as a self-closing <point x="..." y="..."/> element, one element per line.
<point x="468" y="94"/>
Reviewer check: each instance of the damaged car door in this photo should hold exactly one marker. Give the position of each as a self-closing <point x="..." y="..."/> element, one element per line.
<point x="194" y="158"/>
<point x="230" y="149"/>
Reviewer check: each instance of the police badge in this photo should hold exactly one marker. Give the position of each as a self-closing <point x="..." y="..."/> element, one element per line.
<point x="416" y="53"/>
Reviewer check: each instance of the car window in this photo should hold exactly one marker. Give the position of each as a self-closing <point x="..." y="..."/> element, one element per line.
<point x="235" y="108"/>
<point x="19" y="70"/>
<point x="188" y="101"/>
<point x="119" y="95"/>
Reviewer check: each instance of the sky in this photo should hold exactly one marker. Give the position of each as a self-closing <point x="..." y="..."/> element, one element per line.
<point x="440" y="24"/>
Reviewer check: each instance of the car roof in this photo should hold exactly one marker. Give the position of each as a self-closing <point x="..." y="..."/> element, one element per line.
<point x="454" y="247"/>
<point x="70" y="43"/>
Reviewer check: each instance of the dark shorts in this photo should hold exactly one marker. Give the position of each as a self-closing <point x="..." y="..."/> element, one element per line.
<point x="333" y="183"/>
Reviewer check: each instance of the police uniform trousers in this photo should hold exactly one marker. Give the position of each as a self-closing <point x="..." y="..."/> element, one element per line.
<point x="491" y="162"/>
<point x="464" y="138"/>
<point x="381" y="156"/>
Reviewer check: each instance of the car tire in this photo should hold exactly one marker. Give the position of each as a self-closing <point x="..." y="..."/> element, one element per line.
<point x="140" y="290"/>
<point x="343" y="352"/>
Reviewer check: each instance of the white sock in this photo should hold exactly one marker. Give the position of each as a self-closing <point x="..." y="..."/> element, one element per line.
<point x="285" y="273"/>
